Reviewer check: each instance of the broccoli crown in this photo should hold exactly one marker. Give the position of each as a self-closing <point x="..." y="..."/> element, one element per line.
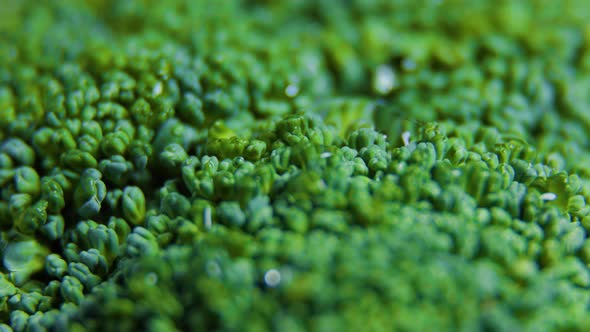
<point x="252" y="165"/>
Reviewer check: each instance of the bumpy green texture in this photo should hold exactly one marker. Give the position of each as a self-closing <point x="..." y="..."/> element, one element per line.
<point x="342" y="165"/>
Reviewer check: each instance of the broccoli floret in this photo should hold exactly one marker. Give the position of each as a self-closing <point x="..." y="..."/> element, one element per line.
<point x="294" y="165"/>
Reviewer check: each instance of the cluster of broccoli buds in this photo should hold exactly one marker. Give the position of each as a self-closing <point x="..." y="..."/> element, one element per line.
<point x="294" y="166"/>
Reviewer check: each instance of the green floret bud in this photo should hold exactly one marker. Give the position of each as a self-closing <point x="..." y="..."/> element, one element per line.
<point x="456" y="154"/>
<point x="23" y="259"/>
<point x="366" y="137"/>
<point x="19" y="320"/>
<point x="92" y="129"/>
<point x="173" y="132"/>
<point x="26" y="302"/>
<point x="115" y="143"/>
<point x="524" y="172"/>
<point x="111" y="110"/>
<point x="72" y="290"/>
<point x="118" y="229"/>
<point x="231" y="213"/>
<point x="54" y="227"/>
<point x="203" y="213"/>
<point x="187" y="231"/>
<point x="158" y="224"/>
<point x="7" y="288"/>
<point x="5" y="162"/>
<point x="82" y="273"/>
<point x="574" y="239"/>
<point x="175" y="204"/>
<point x="89" y="194"/>
<point x="52" y="192"/>
<point x="141" y="111"/>
<point x="62" y="140"/>
<point x="294" y="218"/>
<point x="133" y="205"/>
<point x="26" y="181"/>
<point x="116" y="169"/>
<point x="90" y="235"/>
<point x="191" y="110"/>
<point x="189" y="171"/>
<point x="226" y="147"/>
<point x="255" y="150"/>
<point x="221" y="102"/>
<point x="424" y="154"/>
<point x="18" y="151"/>
<point x="224" y="183"/>
<point x="576" y="205"/>
<point x="333" y="221"/>
<point x="259" y="212"/>
<point x="173" y="156"/>
<point x="55" y="266"/>
<point x="209" y="164"/>
<point x="375" y="158"/>
<point x="78" y="160"/>
<point x="18" y="205"/>
<point x="161" y="325"/>
<point x="34" y="217"/>
<point x="142" y="243"/>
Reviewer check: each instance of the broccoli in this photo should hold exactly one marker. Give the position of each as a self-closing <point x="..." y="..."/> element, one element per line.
<point x="250" y="165"/>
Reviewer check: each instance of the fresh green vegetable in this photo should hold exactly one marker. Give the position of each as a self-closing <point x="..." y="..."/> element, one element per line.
<point x="297" y="165"/>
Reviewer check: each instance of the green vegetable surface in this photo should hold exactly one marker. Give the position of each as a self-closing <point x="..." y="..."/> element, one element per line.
<point x="296" y="165"/>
